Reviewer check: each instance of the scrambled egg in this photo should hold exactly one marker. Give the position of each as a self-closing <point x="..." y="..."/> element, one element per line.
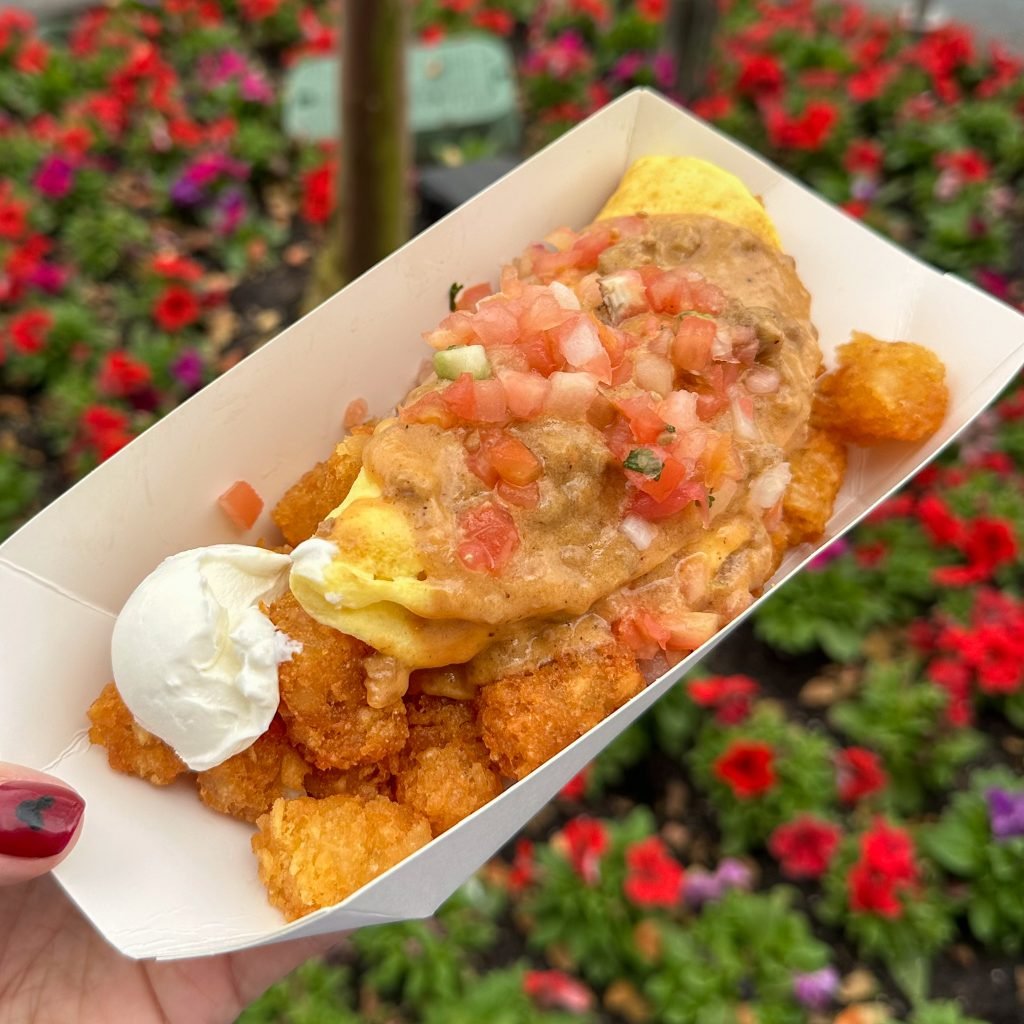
<point x="684" y="184"/>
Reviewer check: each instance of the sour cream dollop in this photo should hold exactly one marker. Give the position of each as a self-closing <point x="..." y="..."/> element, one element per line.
<point x="195" y="659"/>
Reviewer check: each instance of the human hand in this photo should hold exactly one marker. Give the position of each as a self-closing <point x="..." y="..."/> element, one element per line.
<point x="55" y="969"/>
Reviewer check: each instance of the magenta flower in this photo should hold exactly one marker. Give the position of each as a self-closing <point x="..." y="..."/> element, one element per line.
<point x="627" y="66"/>
<point x="188" y="369"/>
<point x="701" y="887"/>
<point x="664" y="68"/>
<point x="255" y="88"/>
<point x="55" y="177"/>
<point x="834" y="550"/>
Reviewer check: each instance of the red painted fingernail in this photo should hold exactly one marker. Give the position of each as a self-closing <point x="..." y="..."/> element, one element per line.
<point x="37" y="819"/>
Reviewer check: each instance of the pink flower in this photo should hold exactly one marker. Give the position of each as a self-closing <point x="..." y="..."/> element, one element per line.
<point x="55" y="177"/>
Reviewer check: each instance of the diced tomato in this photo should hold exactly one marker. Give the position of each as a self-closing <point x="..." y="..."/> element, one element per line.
<point x="669" y="292"/>
<point x="673" y="473"/>
<point x="720" y="461"/>
<point x="539" y="310"/>
<point x="496" y="323"/>
<point x="614" y="342"/>
<point x="709" y="406"/>
<point x="432" y="409"/>
<point x="571" y="395"/>
<point x="653" y="511"/>
<point x="619" y="438"/>
<point x="241" y="504"/>
<point x="562" y="238"/>
<point x="355" y="413"/>
<point x="491" y="406"/>
<point x="548" y="265"/>
<point x="525" y="393"/>
<point x="602" y="414"/>
<point x="489" y="538"/>
<point x="691" y="348"/>
<point x="680" y="410"/>
<point x="455" y="329"/>
<point x="706" y="297"/>
<point x="524" y="497"/>
<point x="642" y="633"/>
<point x="512" y="460"/>
<point x="469" y="297"/>
<point x="460" y="397"/>
<point x="590" y="245"/>
<point x="647" y="426"/>
<point x="541" y="351"/>
<point x="480" y="466"/>
<point x="623" y="373"/>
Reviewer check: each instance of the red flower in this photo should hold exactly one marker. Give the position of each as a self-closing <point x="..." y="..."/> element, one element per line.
<point x="176" y="308"/>
<point x="870" y="555"/>
<point x="805" y="846"/>
<point x="863" y="156"/>
<point x="856" y="208"/>
<point x="576" y="787"/>
<point x="893" y="508"/>
<point x="29" y="330"/>
<point x="730" y="696"/>
<point x="870" y="83"/>
<point x="13" y="221"/>
<point x="761" y="75"/>
<point x="500" y="23"/>
<point x="890" y="851"/>
<point x="523" y="870"/>
<point x="859" y="774"/>
<point x="968" y="165"/>
<point x="432" y="34"/>
<point x="713" y="108"/>
<point x="810" y="130"/>
<point x="595" y="9"/>
<point x="558" y="991"/>
<point x="654" y="878"/>
<point x="990" y="542"/>
<point x="259" y="10"/>
<point x="32" y="57"/>
<point x="175" y="267"/>
<point x="121" y="374"/>
<point x="873" y="893"/>
<point x="652" y="10"/>
<point x="318" y="194"/>
<point x="105" y="430"/>
<point x="747" y="767"/>
<point x="954" y="676"/>
<point x="583" y="842"/>
<point x="938" y="521"/>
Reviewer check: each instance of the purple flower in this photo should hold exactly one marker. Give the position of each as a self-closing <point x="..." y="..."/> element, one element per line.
<point x="829" y="554"/>
<point x="230" y="211"/>
<point x="186" y="192"/>
<point x="816" y="989"/>
<point x="733" y="874"/>
<point x="217" y="68"/>
<point x="1005" y="813"/>
<point x="701" y="887"/>
<point x="664" y="68"/>
<point x="55" y="177"/>
<point x="188" y="369"/>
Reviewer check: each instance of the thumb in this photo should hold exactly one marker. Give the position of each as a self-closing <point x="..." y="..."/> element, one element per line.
<point x="40" y="819"/>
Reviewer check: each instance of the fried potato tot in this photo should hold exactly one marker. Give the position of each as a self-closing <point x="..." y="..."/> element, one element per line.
<point x="445" y="771"/>
<point x="882" y="391"/>
<point x="314" y="853"/>
<point x="246" y="785"/>
<point x="529" y="716"/>
<point x="323" y="695"/>
<point x="366" y="782"/>
<point x="320" y="490"/>
<point x="130" y="748"/>
<point x="818" y="470"/>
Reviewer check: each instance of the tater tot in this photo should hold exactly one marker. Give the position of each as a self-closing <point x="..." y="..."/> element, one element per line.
<point x="321" y="490"/>
<point x="246" y="785"/>
<point x="818" y="470"/>
<point x="314" y="853"/>
<point x="445" y="771"/>
<point x="882" y="391"/>
<point x="528" y="717"/>
<point x="130" y="748"/>
<point x="323" y="695"/>
<point x="366" y="781"/>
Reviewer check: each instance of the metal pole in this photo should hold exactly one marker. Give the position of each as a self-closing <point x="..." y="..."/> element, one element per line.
<point x="689" y="37"/>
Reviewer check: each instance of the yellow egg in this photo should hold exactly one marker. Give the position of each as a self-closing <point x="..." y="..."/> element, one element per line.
<point x="685" y="184"/>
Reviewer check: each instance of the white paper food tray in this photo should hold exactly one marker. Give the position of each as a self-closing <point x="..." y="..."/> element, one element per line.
<point x="158" y="873"/>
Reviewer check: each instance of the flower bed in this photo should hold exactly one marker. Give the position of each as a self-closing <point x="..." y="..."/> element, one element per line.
<point x="832" y="827"/>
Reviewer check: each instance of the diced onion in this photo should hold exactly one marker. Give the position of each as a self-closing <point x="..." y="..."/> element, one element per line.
<point x="768" y="487"/>
<point x="654" y="373"/>
<point x="743" y="415"/>
<point x="680" y="410"/>
<point x="571" y="394"/>
<point x="721" y="347"/>
<point x="564" y="296"/>
<point x="639" y="531"/>
<point x="582" y="343"/>
<point x="762" y="380"/>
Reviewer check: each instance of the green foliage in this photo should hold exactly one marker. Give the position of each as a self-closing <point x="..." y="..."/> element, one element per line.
<point x="497" y="998"/>
<point x="591" y="923"/>
<point x="19" y="486"/>
<point x="944" y="1012"/>
<point x="710" y="967"/>
<point x="833" y="608"/>
<point x="803" y="765"/>
<point x="904" y="721"/>
<point x="100" y="239"/>
<point x="962" y="843"/>
<point x="315" y="993"/>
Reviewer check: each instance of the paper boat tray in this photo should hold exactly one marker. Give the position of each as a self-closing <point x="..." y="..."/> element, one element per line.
<point x="158" y="873"/>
